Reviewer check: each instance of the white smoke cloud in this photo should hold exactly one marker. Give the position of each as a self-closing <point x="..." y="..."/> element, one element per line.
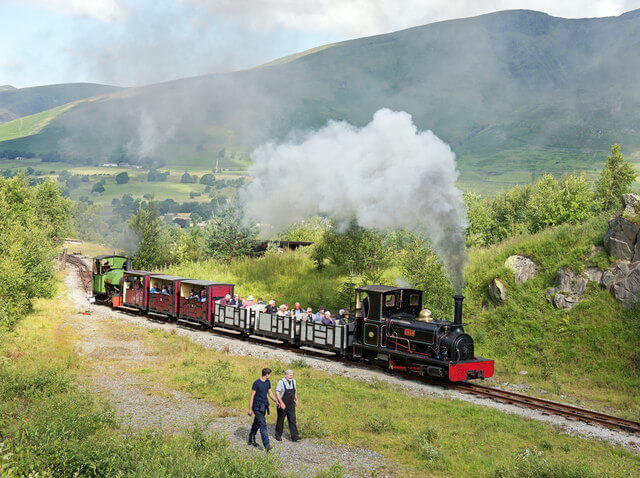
<point x="370" y="17"/>
<point x="387" y="174"/>
<point x="106" y="11"/>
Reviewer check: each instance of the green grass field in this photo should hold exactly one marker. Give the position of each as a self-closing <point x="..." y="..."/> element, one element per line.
<point x="30" y="125"/>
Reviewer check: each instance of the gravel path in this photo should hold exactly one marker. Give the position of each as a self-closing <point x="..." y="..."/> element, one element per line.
<point x="410" y="387"/>
<point x="116" y="359"/>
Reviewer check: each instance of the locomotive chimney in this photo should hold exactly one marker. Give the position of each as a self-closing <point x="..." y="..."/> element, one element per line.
<point x="457" y="314"/>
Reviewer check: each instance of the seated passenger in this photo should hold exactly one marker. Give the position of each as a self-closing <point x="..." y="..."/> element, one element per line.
<point x="309" y="315"/>
<point x="327" y="319"/>
<point x="235" y="301"/>
<point x="248" y="303"/>
<point x="271" y="308"/>
<point x="297" y="311"/>
<point x="347" y="317"/>
<point x="154" y="290"/>
<point x="282" y="311"/>
<point x="165" y="291"/>
<point x="260" y="301"/>
<point x="320" y="314"/>
<point x="203" y="295"/>
<point x="193" y="295"/>
<point x="170" y="289"/>
<point x="226" y="300"/>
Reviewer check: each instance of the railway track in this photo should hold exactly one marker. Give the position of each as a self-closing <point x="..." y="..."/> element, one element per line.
<point x="545" y="406"/>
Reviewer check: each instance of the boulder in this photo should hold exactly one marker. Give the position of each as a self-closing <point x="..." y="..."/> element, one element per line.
<point x="626" y="287"/>
<point x="497" y="291"/>
<point x="568" y="289"/>
<point x="631" y="205"/>
<point x="621" y="239"/>
<point x="594" y="274"/>
<point x="607" y="279"/>
<point x="523" y="268"/>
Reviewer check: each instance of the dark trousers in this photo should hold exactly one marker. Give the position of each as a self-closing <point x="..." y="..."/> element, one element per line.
<point x="290" y="413"/>
<point x="259" y="423"/>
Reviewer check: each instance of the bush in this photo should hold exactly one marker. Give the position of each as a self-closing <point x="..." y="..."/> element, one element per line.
<point x="122" y="178"/>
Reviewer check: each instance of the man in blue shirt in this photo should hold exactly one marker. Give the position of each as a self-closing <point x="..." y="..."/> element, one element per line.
<point x="259" y="407"/>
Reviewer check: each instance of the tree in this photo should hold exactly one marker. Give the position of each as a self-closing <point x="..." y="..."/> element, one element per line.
<point x="480" y="220"/>
<point x="616" y="178"/>
<point x="225" y="238"/>
<point x="208" y="179"/>
<point x="98" y="187"/>
<point x="154" y="248"/>
<point x="422" y="268"/>
<point x="122" y="178"/>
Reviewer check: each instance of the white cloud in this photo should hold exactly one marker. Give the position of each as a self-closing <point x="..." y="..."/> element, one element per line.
<point x="369" y="17"/>
<point x="106" y="11"/>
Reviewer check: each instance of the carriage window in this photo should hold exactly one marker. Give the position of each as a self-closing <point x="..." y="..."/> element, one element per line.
<point x="414" y="299"/>
<point x="389" y="300"/>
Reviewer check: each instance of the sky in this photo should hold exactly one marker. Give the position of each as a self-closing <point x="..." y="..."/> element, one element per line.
<point x="139" y="42"/>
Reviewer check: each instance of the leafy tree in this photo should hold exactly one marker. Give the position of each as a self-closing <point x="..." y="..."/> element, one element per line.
<point x="208" y="179"/>
<point x="122" y="178"/>
<point x="98" y="187"/>
<point x="88" y="222"/>
<point x="30" y="218"/>
<point x="225" y="238"/>
<point x="480" y="220"/>
<point x="360" y="250"/>
<point x="616" y="178"/>
<point x="154" y="248"/>
<point x="509" y="213"/>
<point x="424" y="270"/>
<point x="554" y="202"/>
<point x="188" y="244"/>
<point x="157" y="176"/>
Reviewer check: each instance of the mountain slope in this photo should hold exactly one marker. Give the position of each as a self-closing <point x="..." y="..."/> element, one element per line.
<point x="510" y="90"/>
<point x="19" y="102"/>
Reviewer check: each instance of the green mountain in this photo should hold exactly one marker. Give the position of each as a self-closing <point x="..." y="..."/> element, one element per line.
<point x="18" y="102"/>
<point x="514" y="93"/>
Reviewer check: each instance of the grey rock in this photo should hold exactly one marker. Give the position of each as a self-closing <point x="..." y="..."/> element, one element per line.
<point x="497" y="290"/>
<point x="621" y="239"/>
<point x="594" y="274"/>
<point x="568" y="289"/>
<point x="627" y="288"/>
<point x="631" y="205"/>
<point x="523" y="268"/>
<point x="607" y="280"/>
<point x="620" y="250"/>
<point x="565" y="301"/>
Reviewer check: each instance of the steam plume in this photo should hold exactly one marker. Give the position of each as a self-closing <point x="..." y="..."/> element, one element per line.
<point x="387" y="174"/>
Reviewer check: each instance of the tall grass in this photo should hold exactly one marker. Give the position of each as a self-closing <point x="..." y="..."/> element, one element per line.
<point x="287" y="277"/>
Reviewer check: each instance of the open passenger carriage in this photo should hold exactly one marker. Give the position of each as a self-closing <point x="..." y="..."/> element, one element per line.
<point x="197" y="299"/>
<point x="164" y="294"/>
<point x="135" y="289"/>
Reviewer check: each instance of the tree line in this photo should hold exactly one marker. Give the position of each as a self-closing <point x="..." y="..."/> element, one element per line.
<point x="33" y="222"/>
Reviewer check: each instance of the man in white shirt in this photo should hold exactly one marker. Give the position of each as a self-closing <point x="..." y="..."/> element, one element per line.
<point x="287" y="396"/>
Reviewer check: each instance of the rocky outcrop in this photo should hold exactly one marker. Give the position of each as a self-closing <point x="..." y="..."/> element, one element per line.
<point x="523" y="268"/>
<point x="497" y="290"/>
<point x="622" y="239"/>
<point x="623" y="281"/>
<point x="568" y="289"/>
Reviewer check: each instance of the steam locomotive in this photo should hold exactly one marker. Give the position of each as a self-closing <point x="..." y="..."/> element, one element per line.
<point x="389" y="327"/>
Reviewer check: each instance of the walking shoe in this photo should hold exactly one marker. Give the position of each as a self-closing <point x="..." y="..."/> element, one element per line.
<point x="253" y="443"/>
<point x="278" y="438"/>
<point x="267" y="448"/>
<point x="296" y="439"/>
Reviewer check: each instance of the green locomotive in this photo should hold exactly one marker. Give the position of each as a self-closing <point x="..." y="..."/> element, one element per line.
<point x="108" y="271"/>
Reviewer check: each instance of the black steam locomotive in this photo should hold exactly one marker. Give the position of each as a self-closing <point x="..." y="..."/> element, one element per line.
<point x="390" y="327"/>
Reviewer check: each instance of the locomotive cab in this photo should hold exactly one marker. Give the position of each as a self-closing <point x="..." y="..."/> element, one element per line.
<point x="108" y="271"/>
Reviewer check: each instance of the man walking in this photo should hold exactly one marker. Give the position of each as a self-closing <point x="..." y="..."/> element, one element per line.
<point x="287" y="395"/>
<point x="259" y="407"/>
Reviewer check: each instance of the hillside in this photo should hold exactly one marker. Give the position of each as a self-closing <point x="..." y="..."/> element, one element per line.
<point x="18" y="102"/>
<point x="514" y="93"/>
